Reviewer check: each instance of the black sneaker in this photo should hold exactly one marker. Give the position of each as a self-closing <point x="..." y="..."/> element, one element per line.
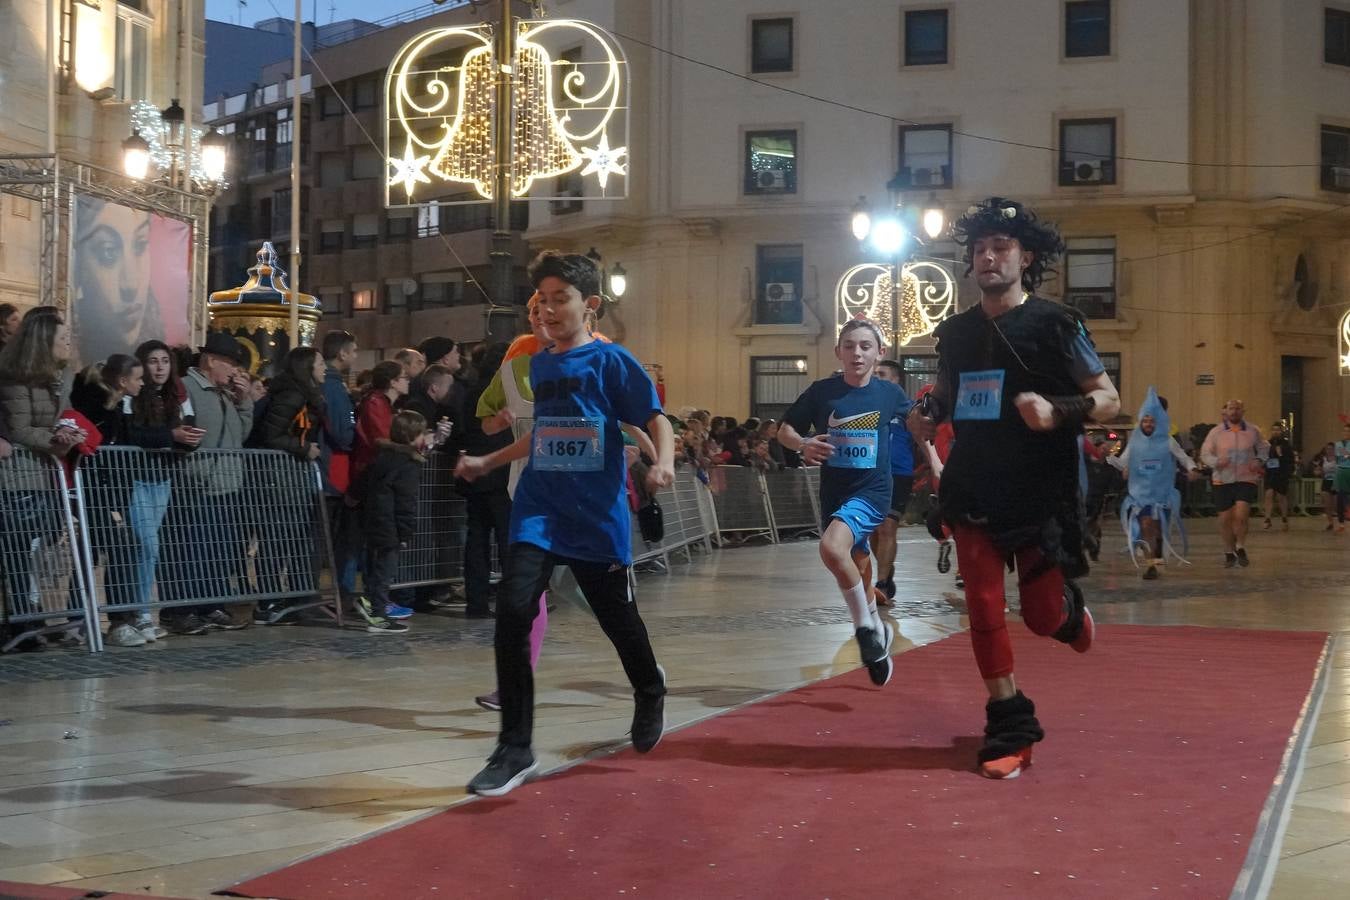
<point x="506" y="769"/>
<point x="189" y="624"/>
<point x="271" y="614"/>
<point x="887" y="587"/>
<point x="649" y="718"/>
<point x="385" y="625"/>
<point x="219" y="618"/>
<point x="1242" y="559"/>
<point x="1151" y="573"/>
<point x="1229" y="560"/>
<point x="480" y="614"/>
<point x="945" y="557"/>
<point x="876" y="652"/>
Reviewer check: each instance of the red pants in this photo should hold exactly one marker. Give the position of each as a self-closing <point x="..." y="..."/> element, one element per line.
<point x="1043" y="607"/>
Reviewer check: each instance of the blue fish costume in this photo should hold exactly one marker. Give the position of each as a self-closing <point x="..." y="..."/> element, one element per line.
<point x="1151" y="488"/>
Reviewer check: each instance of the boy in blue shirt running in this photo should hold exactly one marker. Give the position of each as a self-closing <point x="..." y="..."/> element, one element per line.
<point x="571" y="509"/>
<point x="850" y="414"/>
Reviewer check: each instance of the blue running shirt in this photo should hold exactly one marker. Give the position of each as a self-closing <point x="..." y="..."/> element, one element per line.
<point x="857" y="421"/>
<point x="571" y="499"/>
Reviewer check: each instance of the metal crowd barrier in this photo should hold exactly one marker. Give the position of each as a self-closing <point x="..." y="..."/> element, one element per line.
<point x="436" y="554"/>
<point x="683" y="517"/>
<point x="758" y="504"/>
<point x="44" y="588"/>
<point x="742" y="502"/>
<point x="163" y="529"/>
<point x="794" y="500"/>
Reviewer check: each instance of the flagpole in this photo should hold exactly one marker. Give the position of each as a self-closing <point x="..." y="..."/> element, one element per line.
<point x="293" y="329"/>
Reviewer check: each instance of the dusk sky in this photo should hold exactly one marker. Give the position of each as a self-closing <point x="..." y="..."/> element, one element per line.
<point x="322" y="11"/>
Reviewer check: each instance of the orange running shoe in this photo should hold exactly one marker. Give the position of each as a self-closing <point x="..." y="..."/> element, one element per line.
<point x="1007" y="766"/>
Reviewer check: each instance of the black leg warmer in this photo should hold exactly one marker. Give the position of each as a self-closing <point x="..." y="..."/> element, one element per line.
<point x="1010" y="726"/>
<point x="1074" y="605"/>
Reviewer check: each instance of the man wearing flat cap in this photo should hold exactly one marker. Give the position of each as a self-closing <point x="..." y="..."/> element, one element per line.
<point x="219" y="403"/>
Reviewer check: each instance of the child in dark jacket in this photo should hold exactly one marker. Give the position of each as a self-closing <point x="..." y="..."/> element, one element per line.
<point x="386" y="495"/>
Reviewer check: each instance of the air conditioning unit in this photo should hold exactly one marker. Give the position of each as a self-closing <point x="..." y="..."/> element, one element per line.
<point x="772" y="180"/>
<point x="780" y="292"/>
<point x="1087" y="172"/>
<point x="1340" y="176"/>
<point x="1094" y="306"/>
<point x="925" y="178"/>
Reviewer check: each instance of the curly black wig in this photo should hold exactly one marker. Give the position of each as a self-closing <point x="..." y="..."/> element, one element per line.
<point x="999" y="215"/>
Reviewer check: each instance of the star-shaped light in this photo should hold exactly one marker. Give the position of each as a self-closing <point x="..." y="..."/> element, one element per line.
<point x="602" y="161"/>
<point x="408" y="171"/>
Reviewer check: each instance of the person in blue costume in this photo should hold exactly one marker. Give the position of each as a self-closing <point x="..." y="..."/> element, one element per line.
<point x="1151" y="510"/>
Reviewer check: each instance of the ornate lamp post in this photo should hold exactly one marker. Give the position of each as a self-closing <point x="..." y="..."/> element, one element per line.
<point x="908" y="297"/>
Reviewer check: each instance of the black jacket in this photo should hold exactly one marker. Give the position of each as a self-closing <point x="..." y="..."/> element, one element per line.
<point x="386" y="494"/>
<point x="116" y="425"/>
<point x="281" y="426"/>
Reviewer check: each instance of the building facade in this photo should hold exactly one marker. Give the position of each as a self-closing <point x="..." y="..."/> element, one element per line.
<point x="93" y="60"/>
<point x="393" y="277"/>
<point x="1194" y="155"/>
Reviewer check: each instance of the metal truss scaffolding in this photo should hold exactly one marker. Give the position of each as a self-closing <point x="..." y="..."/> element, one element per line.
<point x="53" y="182"/>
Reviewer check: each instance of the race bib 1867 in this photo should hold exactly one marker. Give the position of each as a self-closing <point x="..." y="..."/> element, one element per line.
<point x="568" y="444"/>
<point x="980" y="395"/>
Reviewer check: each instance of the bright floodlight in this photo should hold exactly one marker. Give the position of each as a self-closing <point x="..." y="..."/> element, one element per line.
<point x="888" y="236"/>
<point x="861" y="221"/>
<point x="214" y="146"/>
<point x="136" y="155"/>
<point x="934" y="221"/>
<point x="618" y="281"/>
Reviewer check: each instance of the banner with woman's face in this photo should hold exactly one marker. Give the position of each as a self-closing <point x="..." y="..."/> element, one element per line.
<point x="131" y="275"/>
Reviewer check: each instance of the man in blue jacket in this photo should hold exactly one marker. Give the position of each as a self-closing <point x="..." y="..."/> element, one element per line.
<point x="335" y="445"/>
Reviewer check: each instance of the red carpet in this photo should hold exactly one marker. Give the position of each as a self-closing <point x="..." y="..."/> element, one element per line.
<point x="1161" y="748"/>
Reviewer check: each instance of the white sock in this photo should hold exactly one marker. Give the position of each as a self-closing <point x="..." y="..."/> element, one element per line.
<point x="872" y="611"/>
<point x="856" y="600"/>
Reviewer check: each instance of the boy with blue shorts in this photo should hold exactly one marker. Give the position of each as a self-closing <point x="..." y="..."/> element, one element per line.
<point x="571" y="509"/>
<point x="850" y="415"/>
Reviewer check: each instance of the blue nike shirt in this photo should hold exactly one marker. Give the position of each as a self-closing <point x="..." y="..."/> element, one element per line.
<point x="857" y="421"/>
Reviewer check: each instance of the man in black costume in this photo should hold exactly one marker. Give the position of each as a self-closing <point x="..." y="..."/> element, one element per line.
<point x="1017" y="376"/>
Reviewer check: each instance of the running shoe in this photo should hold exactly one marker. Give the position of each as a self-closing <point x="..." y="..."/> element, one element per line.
<point x="960" y="582"/>
<point x="394" y="611"/>
<point x="1229" y="560"/>
<point x="887" y="588"/>
<point x="1242" y="559"/>
<point x="1266" y="527"/>
<point x="382" y="625"/>
<point x="876" y="652"/>
<point x="945" y="557"/>
<point x="506" y="769"/>
<point x="491" y="702"/>
<point x="1006" y="767"/>
<point x="1083" y="643"/>
<point x="150" y="631"/>
<point x="125" y="635"/>
<point x="649" y="718"/>
<point x="1151" y="573"/>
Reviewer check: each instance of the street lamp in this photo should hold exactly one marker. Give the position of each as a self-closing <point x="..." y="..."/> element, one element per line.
<point x="136" y="155"/>
<point x="894" y="235"/>
<point x="618" y="281"/>
<point x="214" y="146"/>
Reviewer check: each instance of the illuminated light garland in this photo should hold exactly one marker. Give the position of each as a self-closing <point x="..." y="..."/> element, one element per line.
<point x="1344" y="330"/>
<point x="146" y="118"/>
<point x="927" y="296"/>
<point x="449" y="110"/>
